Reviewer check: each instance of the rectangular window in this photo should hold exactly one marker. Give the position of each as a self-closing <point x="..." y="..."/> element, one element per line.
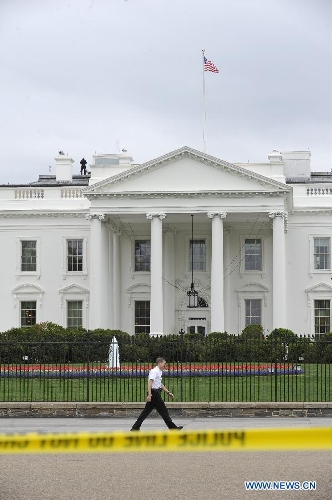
<point x="322" y="253"/>
<point x="74" y="313"/>
<point x="322" y="316"/>
<point x="253" y="255"/>
<point x="28" y="255"/>
<point x="253" y="311"/>
<point x="197" y="257"/>
<point x="142" y="255"/>
<point x="196" y="329"/>
<point x="74" y="255"/>
<point x="28" y="313"/>
<point x="142" y="316"/>
<point x="201" y="330"/>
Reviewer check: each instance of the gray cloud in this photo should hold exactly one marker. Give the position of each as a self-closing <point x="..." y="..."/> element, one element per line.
<point x="81" y="75"/>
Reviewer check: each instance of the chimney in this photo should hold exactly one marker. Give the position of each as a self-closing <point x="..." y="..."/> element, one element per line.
<point x="107" y="165"/>
<point x="296" y="164"/>
<point x="275" y="156"/>
<point x="276" y="169"/>
<point x="64" y="166"/>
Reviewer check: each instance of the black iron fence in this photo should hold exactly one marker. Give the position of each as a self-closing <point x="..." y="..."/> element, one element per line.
<point x="215" y="368"/>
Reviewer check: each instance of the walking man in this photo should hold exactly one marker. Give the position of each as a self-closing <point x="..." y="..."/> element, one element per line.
<point x="154" y="399"/>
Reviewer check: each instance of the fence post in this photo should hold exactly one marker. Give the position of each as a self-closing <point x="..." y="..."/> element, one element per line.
<point x="88" y="367"/>
<point x="181" y="332"/>
<point x="275" y="372"/>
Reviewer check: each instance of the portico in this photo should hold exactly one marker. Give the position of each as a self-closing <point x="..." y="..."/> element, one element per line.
<point x="148" y="215"/>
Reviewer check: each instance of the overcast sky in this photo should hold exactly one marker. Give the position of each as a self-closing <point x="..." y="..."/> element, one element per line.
<point x="86" y="76"/>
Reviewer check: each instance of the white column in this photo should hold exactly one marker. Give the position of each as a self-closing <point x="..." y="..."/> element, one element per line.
<point x="169" y="287"/>
<point x="156" y="303"/>
<point x="279" y="319"/>
<point x="96" y="271"/>
<point x="217" y="272"/>
<point x="227" y="281"/>
<point x="116" y="280"/>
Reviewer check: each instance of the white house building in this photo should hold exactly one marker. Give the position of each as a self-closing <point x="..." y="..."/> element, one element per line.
<point x="120" y="247"/>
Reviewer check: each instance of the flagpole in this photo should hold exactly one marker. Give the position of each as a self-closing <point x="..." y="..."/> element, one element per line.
<point x="204" y="108"/>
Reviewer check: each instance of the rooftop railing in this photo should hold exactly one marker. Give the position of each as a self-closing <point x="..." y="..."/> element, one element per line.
<point x="35" y="193"/>
<point x="319" y="191"/>
<point x="29" y="193"/>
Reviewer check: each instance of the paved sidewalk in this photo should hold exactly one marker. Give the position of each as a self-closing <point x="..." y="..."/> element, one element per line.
<point x="151" y="476"/>
<point x="21" y="425"/>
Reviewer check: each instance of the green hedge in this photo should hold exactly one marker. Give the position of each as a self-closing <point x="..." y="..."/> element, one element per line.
<point x="51" y="343"/>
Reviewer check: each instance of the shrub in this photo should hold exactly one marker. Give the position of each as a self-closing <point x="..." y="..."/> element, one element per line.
<point x="252" y="332"/>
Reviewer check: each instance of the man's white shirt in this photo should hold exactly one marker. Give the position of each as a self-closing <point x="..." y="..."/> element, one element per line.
<point x="156" y="375"/>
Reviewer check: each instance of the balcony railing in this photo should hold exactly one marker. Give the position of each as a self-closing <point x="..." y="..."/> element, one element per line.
<point x="71" y="193"/>
<point x="317" y="191"/>
<point x="41" y="193"/>
<point x="28" y="193"/>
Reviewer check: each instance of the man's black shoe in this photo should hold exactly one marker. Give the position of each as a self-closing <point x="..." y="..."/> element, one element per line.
<point x="134" y="430"/>
<point x="177" y="428"/>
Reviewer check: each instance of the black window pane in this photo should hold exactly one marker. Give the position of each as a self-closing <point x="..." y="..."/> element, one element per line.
<point x="253" y="255"/>
<point x="322" y="316"/>
<point x="28" y="255"/>
<point x="74" y="255"/>
<point x="322" y="253"/>
<point x="253" y="312"/>
<point x="197" y="258"/>
<point x="74" y="313"/>
<point x="28" y="313"/>
<point x="142" y="255"/>
<point x="142" y="316"/>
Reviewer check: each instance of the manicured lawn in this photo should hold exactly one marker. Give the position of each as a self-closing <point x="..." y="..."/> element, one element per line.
<point x="315" y="384"/>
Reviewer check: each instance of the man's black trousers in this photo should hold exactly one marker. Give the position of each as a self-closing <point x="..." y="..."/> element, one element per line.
<point x="158" y="403"/>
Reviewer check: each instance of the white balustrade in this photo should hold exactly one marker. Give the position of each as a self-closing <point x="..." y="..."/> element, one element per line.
<point x="315" y="191"/>
<point x="71" y="193"/>
<point x="28" y="193"/>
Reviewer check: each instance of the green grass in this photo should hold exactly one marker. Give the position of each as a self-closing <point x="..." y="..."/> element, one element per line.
<point x="314" y="385"/>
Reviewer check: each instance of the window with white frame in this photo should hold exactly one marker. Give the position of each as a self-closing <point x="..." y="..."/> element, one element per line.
<point x="74" y="255"/>
<point x="142" y="316"/>
<point x="28" y="255"/>
<point x="28" y="312"/>
<point x="74" y="313"/>
<point x="253" y="312"/>
<point x="322" y="253"/>
<point x="253" y="254"/>
<point x="142" y="255"/>
<point x="197" y="255"/>
<point x="322" y="310"/>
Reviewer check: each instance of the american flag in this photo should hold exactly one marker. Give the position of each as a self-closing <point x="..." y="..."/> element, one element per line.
<point x="209" y="66"/>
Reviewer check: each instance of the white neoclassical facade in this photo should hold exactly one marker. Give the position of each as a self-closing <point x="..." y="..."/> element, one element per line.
<point x="121" y="246"/>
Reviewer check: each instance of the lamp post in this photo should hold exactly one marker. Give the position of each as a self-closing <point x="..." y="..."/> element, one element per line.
<point x="192" y="293"/>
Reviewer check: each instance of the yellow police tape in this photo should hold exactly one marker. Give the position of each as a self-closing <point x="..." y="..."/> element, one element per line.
<point x="200" y="440"/>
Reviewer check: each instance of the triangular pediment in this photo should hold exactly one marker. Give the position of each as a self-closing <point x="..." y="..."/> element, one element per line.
<point x="321" y="288"/>
<point x="183" y="171"/>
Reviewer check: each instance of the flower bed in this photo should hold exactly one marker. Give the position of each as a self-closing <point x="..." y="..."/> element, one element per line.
<point x="130" y="371"/>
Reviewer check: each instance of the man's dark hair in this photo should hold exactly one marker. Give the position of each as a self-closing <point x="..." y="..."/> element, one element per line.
<point x="160" y="360"/>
